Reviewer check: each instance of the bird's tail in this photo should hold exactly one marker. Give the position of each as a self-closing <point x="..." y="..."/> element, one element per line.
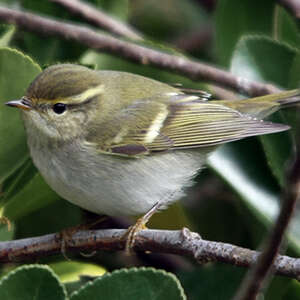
<point x="264" y="105"/>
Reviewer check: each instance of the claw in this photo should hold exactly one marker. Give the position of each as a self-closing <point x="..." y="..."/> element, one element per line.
<point x="140" y="224"/>
<point x="65" y="236"/>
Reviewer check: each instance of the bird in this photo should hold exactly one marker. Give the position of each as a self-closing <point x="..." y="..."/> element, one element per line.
<point x="122" y="144"/>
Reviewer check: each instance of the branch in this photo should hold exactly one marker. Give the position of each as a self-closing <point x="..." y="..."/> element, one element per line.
<point x="96" y="17"/>
<point x="133" y="52"/>
<point x="181" y="242"/>
<point x="256" y="278"/>
<point x="291" y="5"/>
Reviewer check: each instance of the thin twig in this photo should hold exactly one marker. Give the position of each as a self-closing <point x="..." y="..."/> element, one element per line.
<point x="133" y="52"/>
<point x="181" y="242"/>
<point x="256" y="277"/>
<point x="96" y="17"/>
<point x="292" y="5"/>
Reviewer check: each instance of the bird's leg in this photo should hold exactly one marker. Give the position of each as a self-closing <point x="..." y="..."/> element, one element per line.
<point x="138" y="226"/>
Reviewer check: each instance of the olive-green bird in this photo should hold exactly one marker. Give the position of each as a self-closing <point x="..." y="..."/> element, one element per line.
<point x="120" y="144"/>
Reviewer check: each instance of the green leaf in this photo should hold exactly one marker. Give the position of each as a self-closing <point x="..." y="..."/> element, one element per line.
<point x="259" y="58"/>
<point x="249" y="62"/>
<point x="292" y="292"/>
<point x="235" y="18"/>
<point x="294" y="79"/>
<point x="7" y="32"/>
<point x="211" y="282"/>
<point x="72" y="270"/>
<point x="34" y="195"/>
<point x="286" y="27"/>
<point x="31" y="282"/>
<point x="262" y="59"/>
<point x="73" y="286"/>
<point x="18" y="180"/>
<point x="54" y="217"/>
<point x="279" y="149"/>
<point x="38" y="209"/>
<point x="207" y="211"/>
<point x="240" y="166"/>
<point x="75" y="274"/>
<point x="135" y="283"/>
<point x="215" y="282"/>
<point x="16" y="73"/>
<point x="283" y="288"/>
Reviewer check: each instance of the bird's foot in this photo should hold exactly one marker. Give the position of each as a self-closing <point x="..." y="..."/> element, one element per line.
<point x="140" y="224"/>
<point x="65" y="236"/>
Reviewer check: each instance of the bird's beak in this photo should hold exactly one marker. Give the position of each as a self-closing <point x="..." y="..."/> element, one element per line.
<point x="22" y="103"/>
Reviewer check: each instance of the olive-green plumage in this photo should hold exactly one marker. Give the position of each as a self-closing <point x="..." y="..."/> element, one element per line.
<point x="118" y="143"/>
<point x="130" y="106"/>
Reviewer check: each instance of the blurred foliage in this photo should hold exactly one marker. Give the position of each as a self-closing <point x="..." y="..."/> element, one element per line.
<point x="41" y="283"/>
<point x="235" y="200"/>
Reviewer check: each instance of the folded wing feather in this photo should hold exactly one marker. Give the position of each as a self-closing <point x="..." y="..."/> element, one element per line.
<point x="176" y="123"/>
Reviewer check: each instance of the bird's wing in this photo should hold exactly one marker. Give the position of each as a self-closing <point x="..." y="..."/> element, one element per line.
<point x="179" y="123"/>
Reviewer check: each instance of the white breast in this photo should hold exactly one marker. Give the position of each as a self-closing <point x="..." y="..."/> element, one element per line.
<point x="115" y="185"/>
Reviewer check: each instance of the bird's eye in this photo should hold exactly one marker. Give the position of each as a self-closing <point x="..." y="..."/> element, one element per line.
<point x="59" y="108"/>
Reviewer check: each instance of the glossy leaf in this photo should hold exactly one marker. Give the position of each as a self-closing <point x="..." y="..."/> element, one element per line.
<point x="72" y="270"/>
<point x="241" y="165"/>
<point x="55" y="216"/>
<point x="204" y="283"/>
<point x="33" y="196"/>
<point x="235" y="18"/>
<point x="250" y="61"/>
<point x="6" y="34"/>
<point x="16" y="182"/>
<point x="259" y="58"/>
<point x="256" y="58"/>
<point x="286" y="28"/>
<point x="133" y="284"/>
<point x="31" y="282"/>
<point x="16" y="73"/>
<point x="248" y="177"/>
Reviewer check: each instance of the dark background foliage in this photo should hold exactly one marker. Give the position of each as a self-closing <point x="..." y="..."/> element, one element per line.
<point x="234" y="200"/>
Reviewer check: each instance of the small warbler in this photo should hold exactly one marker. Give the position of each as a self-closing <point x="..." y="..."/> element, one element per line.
<point x="121" y="144"/>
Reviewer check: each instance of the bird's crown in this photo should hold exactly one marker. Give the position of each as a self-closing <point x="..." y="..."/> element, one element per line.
<point x="60" y="82"/>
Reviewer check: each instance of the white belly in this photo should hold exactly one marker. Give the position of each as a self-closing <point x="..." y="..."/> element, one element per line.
<point x="114" y="185"/>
